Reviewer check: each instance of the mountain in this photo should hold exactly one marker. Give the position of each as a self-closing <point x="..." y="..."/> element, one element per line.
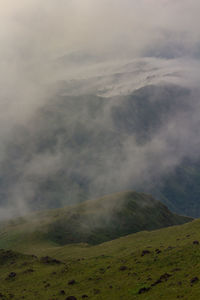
<point x="92" y="222"/>
<point x="155" y="264"/>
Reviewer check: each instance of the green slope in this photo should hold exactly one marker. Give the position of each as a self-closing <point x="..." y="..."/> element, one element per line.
<point x="92" y="222"/>
<point x="164" y="264"/>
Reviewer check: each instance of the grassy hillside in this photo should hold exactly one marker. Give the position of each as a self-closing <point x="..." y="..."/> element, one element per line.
<point x="91" y="222"/>
<point x="162" y="264"/>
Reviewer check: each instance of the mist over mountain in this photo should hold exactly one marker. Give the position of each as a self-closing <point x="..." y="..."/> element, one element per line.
<point x="98" y="97"/>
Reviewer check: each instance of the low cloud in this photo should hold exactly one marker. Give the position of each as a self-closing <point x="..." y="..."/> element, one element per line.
<point x="106" y="49"/>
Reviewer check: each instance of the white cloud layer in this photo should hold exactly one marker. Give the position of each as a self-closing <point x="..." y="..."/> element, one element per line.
<point x="89" y="44"/>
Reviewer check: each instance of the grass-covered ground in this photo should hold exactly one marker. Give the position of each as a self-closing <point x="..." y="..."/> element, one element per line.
<point x="162" y="264"/>
<point x="45" y="264"/>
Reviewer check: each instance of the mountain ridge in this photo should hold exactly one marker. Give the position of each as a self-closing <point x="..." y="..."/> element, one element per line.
<point x="92" y="222"/>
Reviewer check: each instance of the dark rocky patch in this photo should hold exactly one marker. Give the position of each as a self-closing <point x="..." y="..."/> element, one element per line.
<point x="145" y="252"/>
<point x="123" y="268"/>
<point x="71" y="282"/>
<point x="98" y="278"/>
<point x="149" y="279"/>
<point x="194" y="280"/>
<point x="49" y="260"/>
<point x="156" y="282"/>
<point x="165" y="277"/>
<point x="102" y="270"/>
<point x="108" y="267"/>
<point x="162" y="278"/>
<point x="7" y="255"/>
<point x="195" y="242"/>
<point x="143" y="290"/>
<point x="84" y="296"/>
<point x="158" y="251"/>
<point x="71" y="298"/>
<point x="12" y="275"/>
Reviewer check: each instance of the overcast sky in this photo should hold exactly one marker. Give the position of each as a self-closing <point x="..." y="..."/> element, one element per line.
<point x="35" y="35"/>
<point x="39" y="27"/>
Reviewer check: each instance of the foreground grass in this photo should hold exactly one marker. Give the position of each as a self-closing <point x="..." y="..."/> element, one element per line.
<point x="162" y="264"/>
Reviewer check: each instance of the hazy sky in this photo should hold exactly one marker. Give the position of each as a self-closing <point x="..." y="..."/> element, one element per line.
<point x="38" y="28"/>
<point x="149" y="41"/>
